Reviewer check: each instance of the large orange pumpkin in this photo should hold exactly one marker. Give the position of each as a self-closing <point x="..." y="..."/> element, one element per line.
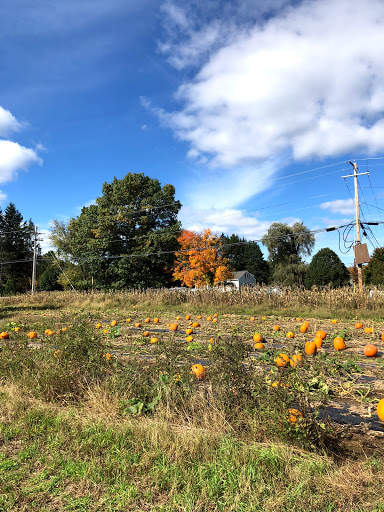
<point x="4" y="335"/>
<point x="318" y="341"/>
<point x="320" y="334"/>
<point x="173" y="327"/>
<point x="370" y="350"/>
<point x="339" y="343"/>
<point x="258" y="337"/>
<point x="303" y="327"/>
<point x="310" y="348"/>
<point x="188" y="331"/>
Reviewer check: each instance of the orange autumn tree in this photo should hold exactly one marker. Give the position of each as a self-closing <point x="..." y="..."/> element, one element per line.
<point x="199" y="263"/>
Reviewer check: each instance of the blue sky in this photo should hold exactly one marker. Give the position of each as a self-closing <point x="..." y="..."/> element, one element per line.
<point x="232" y="102"/>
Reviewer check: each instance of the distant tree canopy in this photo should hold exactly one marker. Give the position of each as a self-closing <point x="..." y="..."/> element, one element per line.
<point x="244" y="255"/>
<point x="374" y="271"/>
<point x="16" y="251"/>
<point x="326" y="268"/>
<point x="286" y="246"/>
<point x="284" y="241"/>
<point x="126" y="239"/>
<point x="199" y="262"/>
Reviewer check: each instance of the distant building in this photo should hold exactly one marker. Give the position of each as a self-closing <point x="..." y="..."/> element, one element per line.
<point x="242" y="278"/>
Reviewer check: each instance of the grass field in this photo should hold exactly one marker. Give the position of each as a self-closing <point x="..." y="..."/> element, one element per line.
<point x="95" y="417"/>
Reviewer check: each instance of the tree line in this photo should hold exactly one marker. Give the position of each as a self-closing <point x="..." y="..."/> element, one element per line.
<point x="132" y="238"/>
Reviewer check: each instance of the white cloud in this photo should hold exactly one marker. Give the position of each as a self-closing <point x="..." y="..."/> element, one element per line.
<point x="342" y="206"/>
<point x="8" y="123"/>
<point x="306" y="82"/>
<point x="13" y="158"/>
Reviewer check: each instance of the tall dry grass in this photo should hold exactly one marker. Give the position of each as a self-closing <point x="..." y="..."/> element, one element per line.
<point x="322" y="301"/>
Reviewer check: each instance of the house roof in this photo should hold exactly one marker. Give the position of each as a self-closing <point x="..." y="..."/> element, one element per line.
<point x="237" y="275"/>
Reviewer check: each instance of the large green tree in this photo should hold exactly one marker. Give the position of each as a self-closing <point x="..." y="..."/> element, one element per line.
<point x="244" y="255"/>
<point x="287" y="245"/>
<point x="16" y="250"/>
<point x="126" y="239"/>
<point x="326" y="268"/>
<point x="374" y="271"/>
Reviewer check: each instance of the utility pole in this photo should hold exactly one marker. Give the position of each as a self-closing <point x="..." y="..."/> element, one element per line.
<point x="357" y="212"/>
<point x="34" y="261"/>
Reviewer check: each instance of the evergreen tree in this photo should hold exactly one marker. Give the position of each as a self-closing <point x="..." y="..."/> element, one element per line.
<point x="245" y="255"/>
<point x="16" y="250"/>
<point x="374" y="271"/>
<point x="326" y="268"/>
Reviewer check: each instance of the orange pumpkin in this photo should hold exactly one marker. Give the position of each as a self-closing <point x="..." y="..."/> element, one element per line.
<point x="146" y="333"/>
<point x="276" y="327"/>
<point x="187" y="317"/>
<point x="320" y="334"/>
<point x="382" y="337"/>
<point x="128" y="320"/>
<point x="31" y="335"/>
<point x="137" y="324"/>
<point x="173" y="327"/>
<point x="318" y="341"/>
<point x="199" y="317"/>
<point x="310" y="348"/>
<point x="370" y="350"/>
<point x="215" y="315"/>
<point x="252" y="319"/>
<point x="156" y="320"/>
<point x="4" y="335"/>
<point x="303" y="327"/>
<point x="282" y="360"/>
<point x="113" y="323"/>
<point x="298" y="320"/>
<point x="358" y="325"/>
<point x="380" y="409"/>
<point x="195" y="324"/>
<point x="209" y="318"/>
<point x="290" y="334"/>
<point x="258" y="337"/>
<point x="296" y="360"/>
<point x="339" y="343"/>
<point x="198" y="370"/>
<point x="177" y="318"/>
<point x="147" y="320"/>
<point x="259" y="346"/>
<point x="153" y="340"/>
<point x="189" y="338"/>
<point x="214" y="320"/>
<point x="263" y="317"/>
<point x="368" y="330"/>
<point x="334" y="321"/>
<point x="188" y="331"/>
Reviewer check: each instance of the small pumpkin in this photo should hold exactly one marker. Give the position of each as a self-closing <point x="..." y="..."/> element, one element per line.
<point x="173" y="327"/>
<point x="320" y="334"/>
<point x="187" y="317"/>
<point x="195" y="324"/>
<point x="276" y="327"/>
<point x="198" y="370"/>
<point x="252" y="318"/>
<point x="334" y="321"/>
<point x="318" y="341"/>
<point x="370" y="350"/>
<point x="282" y="360"/>
<point x="147" y="320"/>
<point x="339" y="343"/>
<point x="259" y="346"/>
<point x="156" y="320"/>
<point x="146" y="333"/>
<point x="263" y="317"/>
<point x="4" y="335"/>
<point x="128" y="320"/>
<point x="189" y="338"/>
<point x="368" y="330"/>
<point x="358" y="325"/>
<point x="310" y="348"/>
<point x="153" y="340"/>
<point x="31" y="335"/>
<point x="296" y="360"/>
<point x="209" y="318"/>
<point x="380" y="409"/>
<point x="98" y="326"/>
<point x="113" y="323"/>
<point x="137" y="324"/>
<point x="257" y="337"/>
<point x="382" y="337"/>
<point x="214" y="321"/>
<point x="298" y="320"/>
<point x="188" y="331"/>
<point x="199" y="317"/>
<point x="290" y="334"/>
<point x="303" y="327"/>
<point x="215" y="315"/>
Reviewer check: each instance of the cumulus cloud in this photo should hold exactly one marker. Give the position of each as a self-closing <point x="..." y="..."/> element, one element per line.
<point x="342" y="206"/>
<point x="13" y="158"/>
<point x="304" y="82"/>
<point x="8" y="123"/>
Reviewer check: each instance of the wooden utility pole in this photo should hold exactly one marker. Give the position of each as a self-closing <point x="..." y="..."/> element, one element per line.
<point x="34" y="261"/>
<point x="357" y="212"/>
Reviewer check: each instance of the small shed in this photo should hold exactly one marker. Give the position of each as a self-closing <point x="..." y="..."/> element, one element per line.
<point x="242" y="278"/>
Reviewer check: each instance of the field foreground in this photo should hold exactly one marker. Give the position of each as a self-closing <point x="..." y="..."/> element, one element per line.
<point x="100" y="413"/>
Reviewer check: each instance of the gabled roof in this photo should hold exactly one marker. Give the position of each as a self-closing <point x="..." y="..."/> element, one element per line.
<point x="237" y="275"/>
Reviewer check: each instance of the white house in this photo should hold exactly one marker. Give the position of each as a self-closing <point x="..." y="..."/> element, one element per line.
<point x="242" y="278"/>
